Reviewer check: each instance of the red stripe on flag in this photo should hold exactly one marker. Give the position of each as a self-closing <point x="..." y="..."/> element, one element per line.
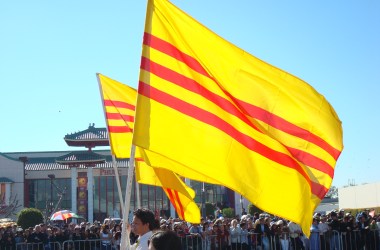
<point x="180" y="204"/>
<point x="118" y="116"/>
<point x="171" y="50"/>
<point x="119" y="129"/>
<point x="312" y="161"/>
<point x="254" y="111"/>
<point x="119" y="104"/>
<point x="215" y="121"/>
<point x="320" y="190"/>
<point x="191" y="85"/>
<point x="176" y="203"/>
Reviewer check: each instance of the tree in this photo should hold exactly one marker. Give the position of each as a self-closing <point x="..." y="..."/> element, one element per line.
<point x="29" y="217"/>
<point x="7" y="210"/>
<point x="228" y="212"/>
<point x="332" y="193"/>
<point x="253" y="209"/>
<point x="210" y="208"/>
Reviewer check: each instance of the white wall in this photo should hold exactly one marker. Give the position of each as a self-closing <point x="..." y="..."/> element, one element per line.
<point x="14" y="170"/>
<point x="363" y="196"/>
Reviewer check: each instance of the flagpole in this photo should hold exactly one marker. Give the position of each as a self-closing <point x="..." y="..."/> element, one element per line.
<point x="138" y="194"/>
<point x="114" y="164"/>
<point x="125" y="244"/>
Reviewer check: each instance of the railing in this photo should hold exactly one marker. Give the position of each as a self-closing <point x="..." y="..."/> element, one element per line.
<point x="332" y="240"/>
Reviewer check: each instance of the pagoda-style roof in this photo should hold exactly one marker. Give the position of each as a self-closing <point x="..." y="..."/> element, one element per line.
<point x="5" y="180"/>
<point x="81" y="157"/>
<point x="88" y="138"/>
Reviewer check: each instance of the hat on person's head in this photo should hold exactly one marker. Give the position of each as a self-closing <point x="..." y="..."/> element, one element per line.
<point x="279" y="222"/>
<point x="244" y="217"/>
<point x="333" y="214"/>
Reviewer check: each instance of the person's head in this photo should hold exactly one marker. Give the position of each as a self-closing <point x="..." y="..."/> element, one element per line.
<point x="143" y="221"/>
<point x="165" y="240"/>
<point x="315" y="220"/>
<point x="37" y="228"/>
<point x="105" y="228"/>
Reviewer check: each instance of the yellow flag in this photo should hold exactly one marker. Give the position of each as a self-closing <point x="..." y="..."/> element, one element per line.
<point x="118" y="101"/>
<point x="119" y="108"/>
<point x="219" y="112"/>
<point x="180" y="195"/>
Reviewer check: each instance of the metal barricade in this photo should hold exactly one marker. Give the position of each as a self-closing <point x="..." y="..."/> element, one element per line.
<point x="85" y="245"/>
<point x="53" y="246"/>
<point x="30" y="246"/>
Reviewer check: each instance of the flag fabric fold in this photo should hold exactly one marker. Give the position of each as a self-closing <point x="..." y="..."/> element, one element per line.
<point x="119" y="105"/>
<point x="221" y="114"/>
<point x="180" y="195"/>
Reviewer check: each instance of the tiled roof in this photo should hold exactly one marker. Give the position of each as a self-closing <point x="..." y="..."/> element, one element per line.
<point x="55" y="166"/>
<point x="91" y="136"/>
<point x="79" y="157"/>
<point x="49" y="163"/>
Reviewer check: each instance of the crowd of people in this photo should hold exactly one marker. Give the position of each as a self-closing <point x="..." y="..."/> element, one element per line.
<point x="335" y="230"/>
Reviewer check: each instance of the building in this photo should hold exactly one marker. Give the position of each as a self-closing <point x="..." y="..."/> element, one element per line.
<point x="84" y="180"/>
<point x="360" y="196"/>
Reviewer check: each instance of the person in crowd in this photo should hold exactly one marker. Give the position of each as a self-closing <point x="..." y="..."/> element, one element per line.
<point x="323" y="229"/>
<point x="206" y="235"/>
<point x="244" y="236"/>
<point x="106" y="237"/>
<point x="335" y="228"/>
<point x="314" y="235"/>
<point x="283" y="231"/>
<point x="235" y="234"/>
<point x="195" y="231"/>
<point x="295" y="233"/>
<point x="77" y="237"/>
<point x="275" y="235"/>
<point x="215" y="238"/>
<point x="143" y="224"/>
<point x="262" y="232"/>
<point x="363" y="228"/>
<point x="164" y="240"/>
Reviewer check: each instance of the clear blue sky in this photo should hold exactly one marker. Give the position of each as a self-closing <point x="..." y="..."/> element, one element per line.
<point x="51" y="50"/>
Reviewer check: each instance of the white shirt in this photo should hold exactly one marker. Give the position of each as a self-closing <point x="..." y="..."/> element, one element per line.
<point x="235" y="233"/>
<point x="323" y="227"/>
<point x="142" y="242"/>
<point x="294" y="229"/>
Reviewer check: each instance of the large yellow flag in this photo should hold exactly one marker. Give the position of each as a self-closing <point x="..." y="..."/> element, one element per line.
<point x="219" y="112"/>
<point x="118" y="101"/>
